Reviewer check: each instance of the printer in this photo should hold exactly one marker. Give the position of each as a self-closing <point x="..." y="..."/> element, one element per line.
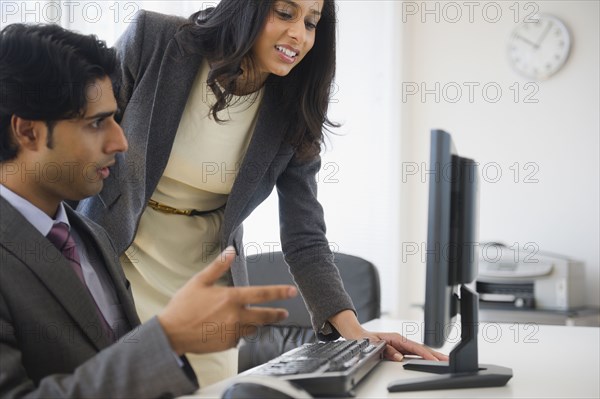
<point x="528" y="279"/>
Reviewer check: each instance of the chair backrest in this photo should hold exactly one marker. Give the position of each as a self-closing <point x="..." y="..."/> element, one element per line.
<point x="361" y="281"/>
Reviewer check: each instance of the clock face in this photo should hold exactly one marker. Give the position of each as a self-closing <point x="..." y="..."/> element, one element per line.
<point x="539" y="49"/>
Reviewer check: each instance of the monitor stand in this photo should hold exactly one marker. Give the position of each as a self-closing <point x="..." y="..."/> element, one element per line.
<point x="463" y="370"/>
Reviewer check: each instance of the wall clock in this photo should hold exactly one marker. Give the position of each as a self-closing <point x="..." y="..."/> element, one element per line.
<point x="540" y="48"/>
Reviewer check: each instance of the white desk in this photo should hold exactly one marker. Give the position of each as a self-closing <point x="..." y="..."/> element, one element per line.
<point x="547" y="362"/>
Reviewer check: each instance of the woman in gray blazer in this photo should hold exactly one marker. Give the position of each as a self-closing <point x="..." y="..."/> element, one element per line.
<point x="218" y="110"/>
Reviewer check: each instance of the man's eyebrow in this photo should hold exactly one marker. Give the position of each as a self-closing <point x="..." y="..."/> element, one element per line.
<point x="101" y="115"/>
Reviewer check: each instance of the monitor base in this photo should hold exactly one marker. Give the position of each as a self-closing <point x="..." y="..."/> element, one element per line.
<point x="488" y="375"/>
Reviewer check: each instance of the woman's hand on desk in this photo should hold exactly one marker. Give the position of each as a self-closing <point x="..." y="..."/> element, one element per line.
<point x="397" y="346"/>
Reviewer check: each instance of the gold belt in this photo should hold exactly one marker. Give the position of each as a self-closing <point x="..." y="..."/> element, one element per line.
<point x="157" y="206"/>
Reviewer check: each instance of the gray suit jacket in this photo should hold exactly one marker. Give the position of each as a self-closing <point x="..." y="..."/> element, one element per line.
<point x="155" y="78"/>
<point x="51" y="344"/>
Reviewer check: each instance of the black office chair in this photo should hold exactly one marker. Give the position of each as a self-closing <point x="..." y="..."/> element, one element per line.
<point x="361" y="281"/>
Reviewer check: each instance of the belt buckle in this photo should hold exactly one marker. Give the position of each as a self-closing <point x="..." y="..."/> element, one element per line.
<point x="167" y="209"/>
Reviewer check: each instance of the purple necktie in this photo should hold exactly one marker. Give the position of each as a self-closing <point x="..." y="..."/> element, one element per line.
<point x="61" y="237"/>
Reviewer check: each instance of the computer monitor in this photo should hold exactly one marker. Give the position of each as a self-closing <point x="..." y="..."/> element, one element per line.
<point x="451" y="258"/>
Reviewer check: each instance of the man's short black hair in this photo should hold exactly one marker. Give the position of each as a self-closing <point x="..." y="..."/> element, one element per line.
<point x="44" y="72"/>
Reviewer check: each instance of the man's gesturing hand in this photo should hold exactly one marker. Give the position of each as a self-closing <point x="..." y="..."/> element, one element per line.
<point x="203" y="317"/>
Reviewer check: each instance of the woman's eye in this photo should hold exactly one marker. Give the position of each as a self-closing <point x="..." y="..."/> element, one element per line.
<point x="284" y="14"/>
<point x="311" y="26"/>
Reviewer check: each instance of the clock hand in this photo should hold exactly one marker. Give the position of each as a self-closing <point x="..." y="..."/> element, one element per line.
<point x="532" y="44"/>
<point x="541" y="39"/>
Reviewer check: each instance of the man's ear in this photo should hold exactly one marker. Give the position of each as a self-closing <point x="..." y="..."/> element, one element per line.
<point x="27" y="133"/>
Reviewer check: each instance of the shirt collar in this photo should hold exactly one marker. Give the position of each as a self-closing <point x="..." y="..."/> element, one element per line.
<point x="34" y="215"/>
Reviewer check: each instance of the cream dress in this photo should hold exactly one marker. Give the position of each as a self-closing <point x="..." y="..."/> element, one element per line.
<point x="169" y="249"/>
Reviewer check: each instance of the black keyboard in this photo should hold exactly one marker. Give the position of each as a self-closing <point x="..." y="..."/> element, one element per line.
<point x="326" y="368"/>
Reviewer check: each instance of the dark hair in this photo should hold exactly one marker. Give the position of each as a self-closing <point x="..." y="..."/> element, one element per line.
<point x="44" y="72"/>
<point x="226" y="34"/>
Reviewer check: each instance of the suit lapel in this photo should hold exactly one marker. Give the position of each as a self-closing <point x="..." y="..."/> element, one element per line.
<point x="176" y="76"/>
<point x="43" y="259"/>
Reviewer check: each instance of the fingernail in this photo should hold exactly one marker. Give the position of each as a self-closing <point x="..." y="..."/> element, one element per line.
<point x="398" y="357"/>
<point x="284" y="314"/>
<point x="292" y="291"/>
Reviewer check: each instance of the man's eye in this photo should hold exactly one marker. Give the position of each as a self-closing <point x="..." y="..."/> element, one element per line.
<point x="97" y="123"/>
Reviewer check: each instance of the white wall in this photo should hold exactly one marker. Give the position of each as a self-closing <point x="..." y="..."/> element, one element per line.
<point x="106" y="19"/>
<point x="558" y="135"/>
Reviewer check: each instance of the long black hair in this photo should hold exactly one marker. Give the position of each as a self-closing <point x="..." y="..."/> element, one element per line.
<point x="226" y="34"/>
<point x="44" y="73"/>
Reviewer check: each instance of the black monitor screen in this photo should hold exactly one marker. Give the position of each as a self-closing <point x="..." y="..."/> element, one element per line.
<point x="451" y="264"/>
<point x="451" y="236"/>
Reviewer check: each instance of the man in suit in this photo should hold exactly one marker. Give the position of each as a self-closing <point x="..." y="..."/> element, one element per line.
<point x="68" y="326"/>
